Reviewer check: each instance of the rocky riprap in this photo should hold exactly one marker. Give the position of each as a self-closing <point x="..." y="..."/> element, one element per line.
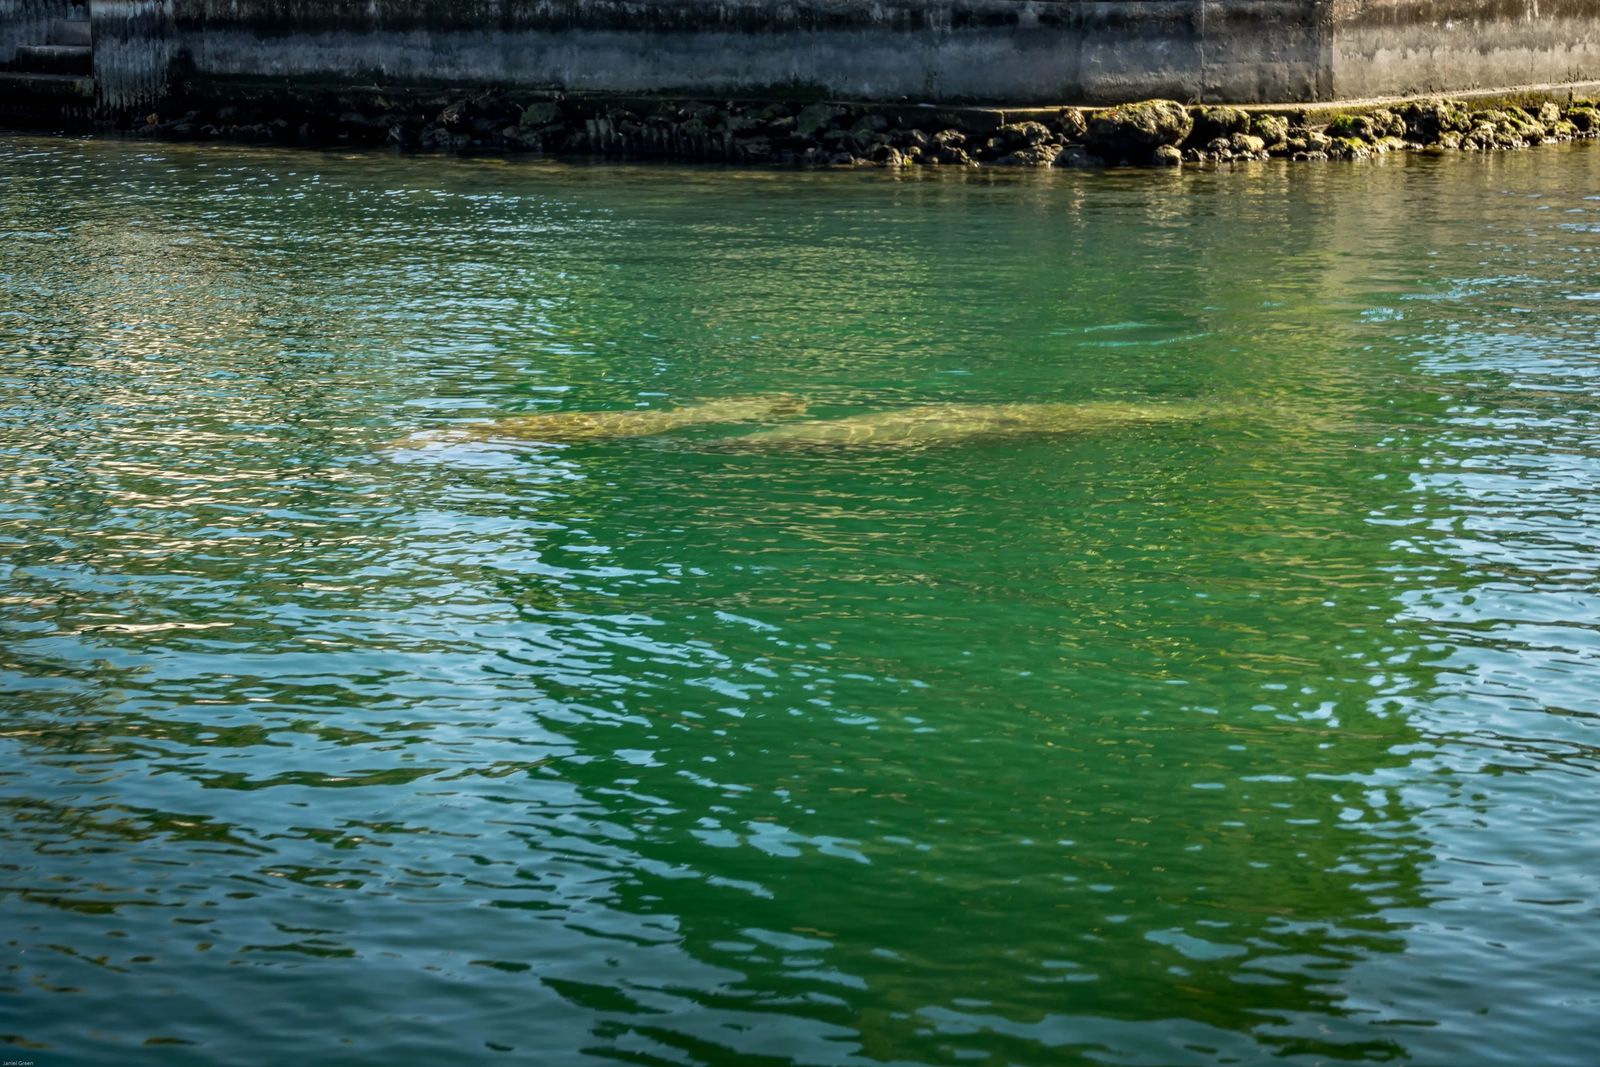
<point x="1152" y="132"/>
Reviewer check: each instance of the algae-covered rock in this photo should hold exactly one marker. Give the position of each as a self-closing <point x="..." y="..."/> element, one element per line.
<point x="539" y="113"/>
<point x="1586" y="119"/>
<point x="1032" y="133"/>
<point x="1071" y="124"/>
<point x="886" y="155"/>
<point x="1243" y="144"/>
<point x="1549" y="113"/>
<point x="1272" y="129"/>
<point x="1426" y="120"/>
<point x="1352" y="128"/>
<point x="1386" y="123"/>
<point x="1038" y="155"/>
<point x="1480" y="136"/>
<point x="1167" y="155"/>
<point x="1131" y="133"/>
<point x="1349" y="148"/>
<point x="1516" y="124"/>
<point x="948" y="146"/>
<point x="457" y="115"/>
<point x="815" y="117"/>
<point x="1017" y="137"/>
<point x="1213" y="122"/>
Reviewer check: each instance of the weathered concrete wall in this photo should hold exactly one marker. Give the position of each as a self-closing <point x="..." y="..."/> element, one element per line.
<point x="1014" y="52"/>
<point x="26" y="22"/>
<point x="133" y="51"/>
<point x="1017" y="51"/>
<point x="1402" y="47"/>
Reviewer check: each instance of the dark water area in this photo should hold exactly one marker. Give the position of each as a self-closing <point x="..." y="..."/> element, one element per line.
<point x="1263" y="736"/>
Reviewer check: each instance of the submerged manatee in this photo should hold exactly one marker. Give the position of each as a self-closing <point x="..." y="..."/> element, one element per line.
<point x="940" y="424"/>
<point x="564" y="426"/>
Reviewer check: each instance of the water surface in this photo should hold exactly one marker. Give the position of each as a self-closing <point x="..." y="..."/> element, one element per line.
<point x="1268" y="736"/>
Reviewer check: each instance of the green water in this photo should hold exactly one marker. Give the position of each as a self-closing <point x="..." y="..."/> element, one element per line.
<point x="1263" y="736"/>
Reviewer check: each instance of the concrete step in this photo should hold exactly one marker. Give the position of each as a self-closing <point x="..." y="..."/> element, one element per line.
<point x="54" y="58"/>
<point x="64" y="87"/>
<point x="70" y="31"/>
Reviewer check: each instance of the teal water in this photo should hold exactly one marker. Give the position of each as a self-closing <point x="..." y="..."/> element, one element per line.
<point x="1268" y="736"/>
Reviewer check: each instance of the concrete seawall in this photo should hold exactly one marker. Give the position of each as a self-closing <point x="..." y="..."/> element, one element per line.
<point x="1401" y="47"/>
<point x="988" y="51"/>
<point x="971" y="50"/>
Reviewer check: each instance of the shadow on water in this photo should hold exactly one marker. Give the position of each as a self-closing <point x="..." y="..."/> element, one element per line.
<point x="1153" y="746"/>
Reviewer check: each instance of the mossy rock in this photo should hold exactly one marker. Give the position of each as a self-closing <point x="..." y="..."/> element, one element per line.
<point x="1024" y="133"/>
<point x="1426" y="120"/>
<point x="539" y="113"/>
<point x="1513" y="126"/>
<point x="1213" y="122"/>
<point x="1244" y="144"/>
<point x="886" y="155"/>
<point x="1036" y="155"/>
<point x="1272" y="129"/>
<point x="1584" y="117"/>
<point x="814" y="118"/>
<point x="1349" y="148"/>
<point x="1351" y="128"/>
<point x="1386" y="123"/>
<point x="1071" y="124"/>
<point x="1499" y="129"/>
<point x="1133" y="132"/>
